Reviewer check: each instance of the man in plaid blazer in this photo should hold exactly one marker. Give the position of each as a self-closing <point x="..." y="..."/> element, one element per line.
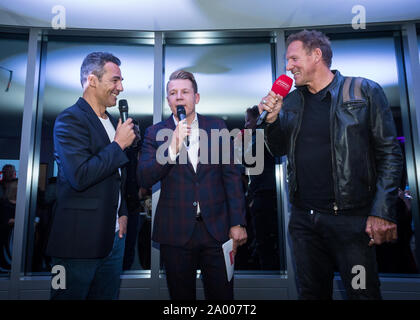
<point x="201" y="201"/>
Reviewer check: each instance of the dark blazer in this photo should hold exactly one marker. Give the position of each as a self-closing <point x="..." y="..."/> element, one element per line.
<point x="217" y="187"/>
<point x="88" y="185"/>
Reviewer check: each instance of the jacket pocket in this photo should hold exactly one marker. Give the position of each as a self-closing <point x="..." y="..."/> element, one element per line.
<point x="369" y="173"/>
<point x="354" y="114"/>
<point x="354" y="104"/>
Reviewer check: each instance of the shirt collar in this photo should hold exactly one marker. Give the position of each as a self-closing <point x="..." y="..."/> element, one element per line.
<point x="324" y="91"/>
<point x="193" y="123"/>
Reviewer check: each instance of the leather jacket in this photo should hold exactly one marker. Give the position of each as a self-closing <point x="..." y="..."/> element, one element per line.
<point x="366" y="156"/>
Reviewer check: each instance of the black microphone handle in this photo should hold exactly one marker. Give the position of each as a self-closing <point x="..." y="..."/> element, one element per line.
<point x="124" y="116"/>
<point x="182" y="117"/>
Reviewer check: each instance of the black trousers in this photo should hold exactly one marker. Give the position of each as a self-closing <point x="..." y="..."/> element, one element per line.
<point x="322" y="242"/>
<point x="201" y="252"/>
<point x="264" y="214"/>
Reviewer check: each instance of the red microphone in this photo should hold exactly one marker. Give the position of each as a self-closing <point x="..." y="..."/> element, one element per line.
<point x="281" y="86"/>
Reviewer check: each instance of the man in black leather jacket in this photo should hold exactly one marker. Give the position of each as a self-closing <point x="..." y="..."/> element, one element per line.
<point x="344" y="166"/>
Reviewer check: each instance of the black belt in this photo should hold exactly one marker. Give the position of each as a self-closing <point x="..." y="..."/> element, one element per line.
<point x="364" y="211"/>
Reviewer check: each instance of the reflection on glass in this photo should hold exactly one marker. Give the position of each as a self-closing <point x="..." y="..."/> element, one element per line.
<point x="375" y="59"/>
<point x="363" y="58"/>
<point x="13" y="56"/>
<point x="261" y="200"/>
<point x="231" y="78"/>
<point x="8" y="195"/>
<point x="62" y="89"/>
<point x="418" y="42"/>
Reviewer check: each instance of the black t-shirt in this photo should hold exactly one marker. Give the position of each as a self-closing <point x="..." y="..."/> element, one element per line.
<point x="313" y="154"/>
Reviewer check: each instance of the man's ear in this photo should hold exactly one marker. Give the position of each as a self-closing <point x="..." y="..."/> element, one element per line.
<point x="317" y="54"/>
<point x="197" y="98"/>
<point x="92" y="80"/>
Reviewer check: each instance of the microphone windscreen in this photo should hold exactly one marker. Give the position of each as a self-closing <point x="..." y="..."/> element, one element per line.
<point x="282" y="85"/>
<point x="123" y="105"/>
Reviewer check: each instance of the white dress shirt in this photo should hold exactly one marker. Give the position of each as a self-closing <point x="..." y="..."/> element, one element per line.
<point x="110" y="130"/>
<point x="192" y="148"/>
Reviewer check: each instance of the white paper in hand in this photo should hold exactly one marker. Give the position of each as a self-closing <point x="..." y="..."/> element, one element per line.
<point x="229" y="258"/>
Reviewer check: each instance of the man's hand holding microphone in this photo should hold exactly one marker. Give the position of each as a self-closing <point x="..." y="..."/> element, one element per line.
<point x="124" y="135"/>
<point x="182" y="131"/>
<point x="271" y="104"/>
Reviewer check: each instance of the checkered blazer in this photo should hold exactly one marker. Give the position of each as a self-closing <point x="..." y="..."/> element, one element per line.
<point x="217" y="187"/>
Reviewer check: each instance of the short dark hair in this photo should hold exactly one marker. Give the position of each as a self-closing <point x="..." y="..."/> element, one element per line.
<point x="182" y="74"/>
<point x="94" y="64"/>
<point x="311" y="40"/>
<point x="8" y="167"/>
<point x="253" y="112"/>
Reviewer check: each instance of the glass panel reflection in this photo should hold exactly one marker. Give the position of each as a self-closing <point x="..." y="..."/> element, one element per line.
<point x="231" y="79"/>
<point x="375" y="59"/>
<point x="62" y="89"/>
<point x="13" y="57"/>
<point x="418" y="41"/>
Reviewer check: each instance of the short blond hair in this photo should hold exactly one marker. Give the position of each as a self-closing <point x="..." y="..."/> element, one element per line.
<point x="185" y="75"/>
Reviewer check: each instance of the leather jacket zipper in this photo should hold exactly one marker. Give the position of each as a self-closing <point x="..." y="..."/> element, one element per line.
<point x="300" y="113"/>
<point x="335" y="207"/>
<point x="333" y="161"/>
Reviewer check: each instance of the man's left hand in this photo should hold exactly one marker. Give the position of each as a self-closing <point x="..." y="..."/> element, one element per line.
<point x="122" y="221"/>
<point x="380" y="230"/>
<point x="239" y="237"/>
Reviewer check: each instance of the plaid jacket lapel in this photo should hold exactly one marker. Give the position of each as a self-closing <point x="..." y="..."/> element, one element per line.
<point x="170" y="124"/>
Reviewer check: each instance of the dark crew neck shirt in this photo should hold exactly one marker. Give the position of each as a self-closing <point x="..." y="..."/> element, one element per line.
<point x="313" y="154"/>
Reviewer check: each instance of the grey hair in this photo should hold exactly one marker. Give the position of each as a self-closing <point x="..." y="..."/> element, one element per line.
<point x="94" y="64"/>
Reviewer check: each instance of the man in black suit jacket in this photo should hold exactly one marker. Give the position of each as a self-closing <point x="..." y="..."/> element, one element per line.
<point x="86" y="237"/>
